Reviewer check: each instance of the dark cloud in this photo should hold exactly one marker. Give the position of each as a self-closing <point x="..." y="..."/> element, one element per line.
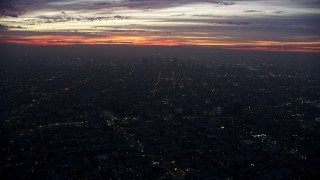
<point x="8" y="9"/>
<point x="203" y="15"/>
<point x="102" y="4"/>
<point x="232" y="23"/>
<point x="214" y="16"/>
<point x="278" y="12"/>
<point x="224" y="3"/>
<point x="17" y="27"/>
<point x="121" y="17"/>
<point x="17" y="7"/>
<point x="158" y="4"/>
<point x="252" y="11"/>
<point x="66" y="18"/>
<point x="177" y="15"/>
<point x="3" y="27"/>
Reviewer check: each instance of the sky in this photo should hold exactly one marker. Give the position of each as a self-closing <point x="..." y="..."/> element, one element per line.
<point x="259" y="25"/>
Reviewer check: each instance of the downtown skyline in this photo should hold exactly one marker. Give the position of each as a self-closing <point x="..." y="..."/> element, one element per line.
<point x="263" y="25"/>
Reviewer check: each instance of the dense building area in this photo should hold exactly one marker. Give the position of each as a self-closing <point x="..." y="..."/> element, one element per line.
<point x="156" y="117"/>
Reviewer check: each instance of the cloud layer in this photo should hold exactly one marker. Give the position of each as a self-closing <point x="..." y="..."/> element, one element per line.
<point x="286" y="25"/>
